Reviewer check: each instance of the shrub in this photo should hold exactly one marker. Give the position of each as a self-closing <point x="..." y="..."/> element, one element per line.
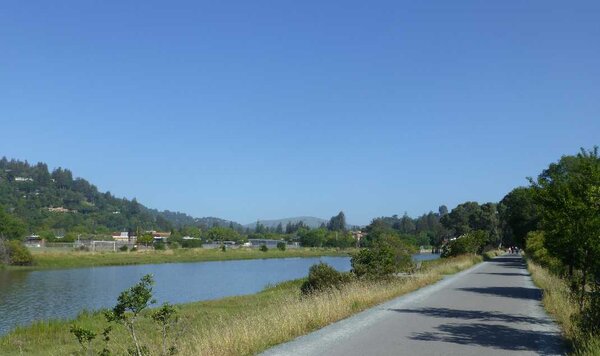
<point x="19" y="255"/>
<point x="191" y="243"/>
<point x="263" y="248"/>
<point x="123" y="248"/>
<point x="281" y="246"/>
<point x="534" y="248"/>
<point x="322" y="277"/>
<point x="133" y="249"/>
<point x="387" y="256"/>
<point x="160" y="246"/>
<point x="473" y="242"/>
<point x="589" y="318"/>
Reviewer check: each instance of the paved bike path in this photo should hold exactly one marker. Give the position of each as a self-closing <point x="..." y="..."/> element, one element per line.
<point x="491" y="309"/>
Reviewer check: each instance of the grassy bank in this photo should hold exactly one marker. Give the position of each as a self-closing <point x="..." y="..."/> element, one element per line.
<point x="239" y="325"/>
<point x="74" y="259"/>
<point x="560" y="304"/>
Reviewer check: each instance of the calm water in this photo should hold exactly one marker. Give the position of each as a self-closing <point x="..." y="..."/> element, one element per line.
<point x="41" y="295"/>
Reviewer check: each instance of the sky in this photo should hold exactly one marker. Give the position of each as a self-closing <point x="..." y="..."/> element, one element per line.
<point x="251" y="110"/>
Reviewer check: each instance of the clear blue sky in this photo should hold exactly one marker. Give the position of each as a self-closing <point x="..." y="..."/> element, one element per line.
<point x="257" y="109"/>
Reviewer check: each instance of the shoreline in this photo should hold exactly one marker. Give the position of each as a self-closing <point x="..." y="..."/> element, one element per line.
<point x="242" y="324"/>
<point x="79" y="259"/>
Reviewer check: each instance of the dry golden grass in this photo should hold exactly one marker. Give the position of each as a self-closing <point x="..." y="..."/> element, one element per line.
<point x="292" y="315"/>
<point x="559" y="303"/>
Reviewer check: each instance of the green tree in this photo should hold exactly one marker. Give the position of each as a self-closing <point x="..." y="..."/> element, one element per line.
<point x="130" y="304"/>
<point x="313" y="238"/>
<point x="519" y="215"/>
<point x="222" y="234"/>
<point x="281" y="246"/>
<point x="166" y="317"/>
<point x="387" y="255"/>
<point x="11" y="227"/>
<point x="145" y="239"/>
<point x="568" y="193"/>
<point x="470" y="216"/>
<point x="337" y="223"/>
<point x="279" y="229"/>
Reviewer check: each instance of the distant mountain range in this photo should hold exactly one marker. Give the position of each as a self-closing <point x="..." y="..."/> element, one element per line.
<point x="310" y="221"/>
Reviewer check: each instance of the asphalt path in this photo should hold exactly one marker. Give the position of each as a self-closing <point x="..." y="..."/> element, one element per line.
<point x="490" y="309"/>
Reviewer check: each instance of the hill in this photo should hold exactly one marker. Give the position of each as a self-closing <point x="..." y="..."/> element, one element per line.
<point x="55" y="200"/>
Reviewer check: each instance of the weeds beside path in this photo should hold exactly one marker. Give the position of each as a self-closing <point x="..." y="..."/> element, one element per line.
<point x="559" y="303"/>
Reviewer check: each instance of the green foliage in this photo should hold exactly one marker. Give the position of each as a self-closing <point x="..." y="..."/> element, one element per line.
<point x="223" y="234"/>
<point x="84" y="337"/>
<point x="281" y="246"/>
<point x="519" y="215"/>
<point x="160" y="246"/>
<point x="322" y="277"/>
<point x="422" y="231"/>
<point x="536" y="250"/>
<point x="14" y="253"/>
<point x="337" y="223"/>
<point x="263" y="248"/>
<point x="313" y="238"/>
<point x="568" y="194"/>
<point x="130" y="304"/>
<point x="89" y="210"/>
<point x="387" y="255"/>
<point x="471" y="216"/>
<point x="11" y="227"/>
<point x="145" y="239"/>
<point x="469" y="243"/>
<point x="166" y="317"/>
<point x="191" y="243"/>
<point x="123" y="248"/>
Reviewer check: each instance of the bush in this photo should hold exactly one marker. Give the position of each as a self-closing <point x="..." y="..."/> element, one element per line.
<point x="534" y="248"/>
<point x="473" y="242"/>
<point x="19" y="255"/>
<point x="123" y="248"/>
<point x="133" y="249"/>
<point x="589" y="319"/>
<point x="160" y="246"/>
<point x="387" y="256"/>
<point x="263" y="248"/>
<point x="191" y="243"/>
<point x="281" y="246"/>
<point x="322" y="277"/>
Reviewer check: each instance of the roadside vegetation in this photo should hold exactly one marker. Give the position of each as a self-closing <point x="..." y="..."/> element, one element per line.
<point x="231" y="326"/>
<point x="562" y="210"/>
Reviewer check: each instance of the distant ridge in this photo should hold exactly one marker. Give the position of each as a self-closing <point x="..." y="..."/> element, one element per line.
<point x="57" y="200"/>
<point x="310" y="221"/>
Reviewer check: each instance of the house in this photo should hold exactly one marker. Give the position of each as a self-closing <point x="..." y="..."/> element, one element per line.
<point x="60" y="209"/>
<point x="358" y="235"/>
<point x="123" y="236"/>
<point x="159" y="236"/>
<point x="267" y="242"/>
<point x="23" y="179"/>
<point x="34" y="241"/>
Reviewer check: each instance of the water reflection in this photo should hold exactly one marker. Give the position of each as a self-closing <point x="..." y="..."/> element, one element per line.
<point x="26" y="296"/>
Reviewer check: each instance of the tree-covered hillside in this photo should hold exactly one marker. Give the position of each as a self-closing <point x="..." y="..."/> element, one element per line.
<point x="56" y="200"/>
